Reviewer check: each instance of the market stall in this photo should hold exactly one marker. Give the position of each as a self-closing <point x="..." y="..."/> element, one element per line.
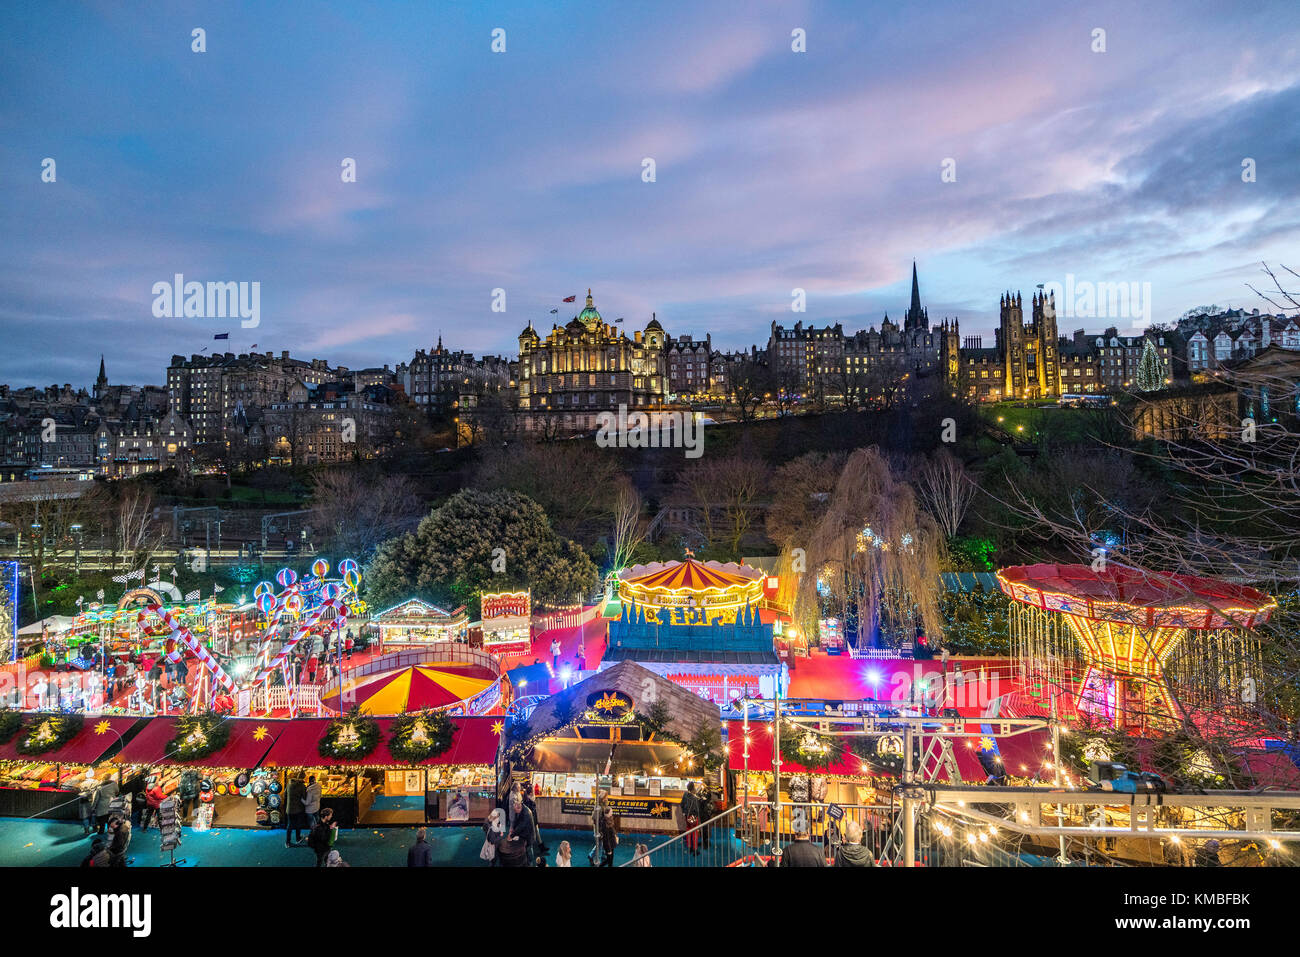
<point x="624" y="731"/>
<point x="368" y="784"/>
<point x="418" y="623"/>
<point x="506" y="622"/>
<point x="40" y="778"/>
<point x="222" y="756"/>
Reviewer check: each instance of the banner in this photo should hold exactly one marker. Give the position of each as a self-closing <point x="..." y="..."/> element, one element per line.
<point x="623" y="807"/>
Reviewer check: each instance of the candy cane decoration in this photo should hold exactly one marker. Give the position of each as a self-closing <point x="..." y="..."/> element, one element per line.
<point x="303" y="630"/>
<point x="181" y="633"/>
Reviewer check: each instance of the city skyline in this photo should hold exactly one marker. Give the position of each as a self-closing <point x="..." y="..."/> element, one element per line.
<point x="523" y="171"/>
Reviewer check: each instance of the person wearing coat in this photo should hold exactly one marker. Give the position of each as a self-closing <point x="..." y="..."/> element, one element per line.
<point x="517" y="848"/>
<point x="295" y="817"/>
<point x="134" y="791"/>
<point x="608" y="838"/>
<point x="187" y="793"/>
<point x="86" y="802"/>
<point x="311" y="799"/>
<point x="494" y="829"/>
<point x="104" y="797"/>
<point x="420" y="853"/>
<point x="153" y="799"/>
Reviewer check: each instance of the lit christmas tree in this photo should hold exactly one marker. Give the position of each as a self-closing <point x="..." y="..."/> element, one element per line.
<point x="1151" y="371"/>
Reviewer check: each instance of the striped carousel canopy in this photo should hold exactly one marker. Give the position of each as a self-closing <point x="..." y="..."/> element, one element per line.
<point x="410" y="689"/>
<point x="690" y="575"/>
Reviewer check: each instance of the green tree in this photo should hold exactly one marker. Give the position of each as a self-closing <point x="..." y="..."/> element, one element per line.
<point x="480" y="541"/>
<point x="1151" y="371"/>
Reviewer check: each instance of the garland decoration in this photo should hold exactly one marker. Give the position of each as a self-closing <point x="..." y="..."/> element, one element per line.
<point x="350" y="737"/>
<point x="804" y="747"/>
<point x="10" y="722"/>
<point x="197" y="736"/>
<point x="49" y="733"/>
<point x="424" y="734"/>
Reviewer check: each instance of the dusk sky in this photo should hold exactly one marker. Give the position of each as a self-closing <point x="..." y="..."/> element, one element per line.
<point x="523" y="170"/>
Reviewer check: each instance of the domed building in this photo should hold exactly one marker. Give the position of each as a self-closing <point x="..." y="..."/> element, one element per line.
<point x="587" y="367"/>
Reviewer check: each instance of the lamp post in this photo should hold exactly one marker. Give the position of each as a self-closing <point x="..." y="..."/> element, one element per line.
<point x="76" y="535"/>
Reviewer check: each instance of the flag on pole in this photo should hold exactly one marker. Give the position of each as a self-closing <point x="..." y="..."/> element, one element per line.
<point x="217" y="589"/>
<point x="139" y="574"/>
<point x="619" y="319"/>
<point x="121" y="579"/>
<point x="192" y="596"/>
<point x="222" y="335"/>
<point x="571" y="299"/>
<point x="554" y="311"/>
<point x="100" y="594"/>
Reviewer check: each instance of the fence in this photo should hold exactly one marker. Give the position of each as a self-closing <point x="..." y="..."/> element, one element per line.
<point x="745" y="836"/>
<point x="306" y="697"/>
<point x="569" y="618"/>
<point x="441" y="652"/>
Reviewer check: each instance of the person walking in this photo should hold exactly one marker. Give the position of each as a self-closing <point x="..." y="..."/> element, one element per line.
<point x="347" y="646"/>
<point x="494" y="830"/>
<point x="691" y="818"/>
<point x="608" y="837"/>
<point x="539" y="847"/>
<point x="322" y="836"/>
<point x="555" y="654"/>
<point x="851" y="853"/>
<point x="134" y="792"/>
<point x="311" y="800"/>
<point x="153" y="799"/>
<point x="187" y="793"/>
<point x="295" y="816"/>
<point x="516" y="849"/>
<point x="313" y="663"/>
<point x="105" y="794"/>
<point x="564" y="855"/>
<point x="597" y="817"/>
<point x="421" y="852"/>
<point x="86" y="803"/>
<point x="119" y="830"/>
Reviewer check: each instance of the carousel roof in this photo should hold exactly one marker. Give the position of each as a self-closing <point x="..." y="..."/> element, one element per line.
<point x="690" y="575"/>
<point x="414" y="688"/>
<point x="1132" y="596"/>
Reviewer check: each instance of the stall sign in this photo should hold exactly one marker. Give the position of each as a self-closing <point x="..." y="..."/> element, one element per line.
<point x="609" y="707"/>
<point x="505" y="605"/>
<point x="835" y="812"/>
<point x="622" y="806"/>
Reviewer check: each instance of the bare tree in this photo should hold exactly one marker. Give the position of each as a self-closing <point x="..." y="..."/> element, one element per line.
<point x="629" y="531"/>
<point x="722" y="495"/>
<point x="750" y="383"/>
<point x="355" y="510"/>
<point x="946" y="490"/>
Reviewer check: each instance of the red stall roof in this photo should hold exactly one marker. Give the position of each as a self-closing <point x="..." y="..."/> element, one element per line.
<point x="475" y="742"/>
<point x="98" y="735"/>
<point x="1027" y="749"/>
<point x="250" y="739"/>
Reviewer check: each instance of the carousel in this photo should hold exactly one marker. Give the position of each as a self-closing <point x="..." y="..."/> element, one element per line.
<point x="691" y="591"/>
<point x="1135" y="649"/>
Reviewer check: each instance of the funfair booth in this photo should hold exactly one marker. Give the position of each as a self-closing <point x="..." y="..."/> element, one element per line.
<point x="44" y="760"/>
<point x="418" y="768"/>
<point x="506" y="622"/>
<point x="418" y="623"/>
<point x="598" y="735"/>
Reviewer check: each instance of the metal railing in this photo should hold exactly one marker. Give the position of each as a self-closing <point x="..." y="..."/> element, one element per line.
<point x="747" y="835"/>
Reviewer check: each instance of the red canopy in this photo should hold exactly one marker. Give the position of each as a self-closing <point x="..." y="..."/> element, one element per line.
<point x="250" y="739"/>
<point x="97" y="736"/>
<point x="474" y="742"/>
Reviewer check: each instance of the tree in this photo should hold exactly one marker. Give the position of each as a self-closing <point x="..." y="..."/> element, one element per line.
<point x="750" y="384"/>
<point x="355" y="509"/>
<point x="873" y="556"/>
<point x="629" y="530"/>
<point x="801" y="490"/>
<point x="1150" y="371"/>
<point x="722" y="495"/>
<point x="945" y="489"/>
<point x="480" y="541"/>
<point x="574" y="482"/>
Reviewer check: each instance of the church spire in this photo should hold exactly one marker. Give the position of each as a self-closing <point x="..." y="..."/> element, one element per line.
<point x="915" y="316"/>
<point x="101" y="383"/>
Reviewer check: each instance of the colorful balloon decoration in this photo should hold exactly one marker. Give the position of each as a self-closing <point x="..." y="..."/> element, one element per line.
<point x="286" y="577"/>
<point x="352" y="579"/>
<point x="320" y="568"/>
<point x="263" y="588"/>
<point x="347" y="565"/>
<point x="265" y="602"/>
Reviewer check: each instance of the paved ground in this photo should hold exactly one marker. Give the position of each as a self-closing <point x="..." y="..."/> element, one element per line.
<point x="41" y="843"/>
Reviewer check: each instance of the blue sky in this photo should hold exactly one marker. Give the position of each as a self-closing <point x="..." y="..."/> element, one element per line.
<point x="522" y="170"/>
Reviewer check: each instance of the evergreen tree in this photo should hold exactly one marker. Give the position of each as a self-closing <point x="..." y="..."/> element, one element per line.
<point x="1150" y="371"/>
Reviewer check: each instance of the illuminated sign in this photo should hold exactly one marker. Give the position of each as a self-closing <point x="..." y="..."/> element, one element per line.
<point x="609" y="707"/>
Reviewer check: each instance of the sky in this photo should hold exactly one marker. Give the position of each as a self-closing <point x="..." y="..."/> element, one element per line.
<point x="524" y="170"/>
